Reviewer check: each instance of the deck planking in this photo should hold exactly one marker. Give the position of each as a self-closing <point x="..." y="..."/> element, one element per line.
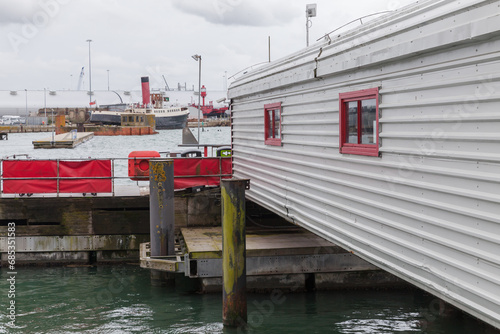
<point x="63" y="140"/>
<point x="207" y="242"/>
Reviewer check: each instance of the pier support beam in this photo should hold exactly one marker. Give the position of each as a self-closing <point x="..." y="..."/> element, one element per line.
<point x="234" y="303"/>
<point x="161" y="207"/>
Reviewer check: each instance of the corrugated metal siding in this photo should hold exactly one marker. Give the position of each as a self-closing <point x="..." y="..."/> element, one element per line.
<point x="428" y="208"/>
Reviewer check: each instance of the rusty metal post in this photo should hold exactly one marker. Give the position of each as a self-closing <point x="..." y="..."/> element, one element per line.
<point x="161" y="207"/>
<point x="234" y="303"/>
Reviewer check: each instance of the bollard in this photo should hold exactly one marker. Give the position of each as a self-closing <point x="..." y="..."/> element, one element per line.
<point x="161" y="207"/>
<point x="234" y="300"/>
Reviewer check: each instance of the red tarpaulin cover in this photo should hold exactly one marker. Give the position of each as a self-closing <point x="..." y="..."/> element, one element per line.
<point x="48" y="169"/>
<point x="88" y="171"/>
<point x="200" y="166"/>
<point x="84" y="169"/>
<point x="29" y="169"/>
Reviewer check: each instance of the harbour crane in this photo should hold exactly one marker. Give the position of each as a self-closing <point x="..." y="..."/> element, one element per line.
<point x="80" y="80"/>
<point x="166" y="84"/>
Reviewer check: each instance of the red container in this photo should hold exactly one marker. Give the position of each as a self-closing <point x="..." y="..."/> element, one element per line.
<point x="138" y="164"/>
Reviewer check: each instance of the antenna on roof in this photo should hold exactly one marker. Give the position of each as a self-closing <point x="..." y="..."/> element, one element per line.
<point x="310" y="12"/>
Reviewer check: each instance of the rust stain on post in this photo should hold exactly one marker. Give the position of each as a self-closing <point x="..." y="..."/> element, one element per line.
<point x="159" y="171"/>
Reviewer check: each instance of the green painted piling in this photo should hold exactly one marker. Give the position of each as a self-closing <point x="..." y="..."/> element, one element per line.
<point x="161" y="207"/>
<point x="234" y="307"/>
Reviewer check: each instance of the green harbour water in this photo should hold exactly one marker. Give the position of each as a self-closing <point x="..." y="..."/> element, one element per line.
<point x="121" y="299"/>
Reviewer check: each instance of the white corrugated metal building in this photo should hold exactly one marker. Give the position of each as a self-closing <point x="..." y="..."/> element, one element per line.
<point x="385" y="140"/>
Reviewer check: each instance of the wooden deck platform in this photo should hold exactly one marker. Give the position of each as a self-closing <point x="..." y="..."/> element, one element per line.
<point x="275" y="258"/>
<point x="64" y="140"/>
<point x="202" y="243"/>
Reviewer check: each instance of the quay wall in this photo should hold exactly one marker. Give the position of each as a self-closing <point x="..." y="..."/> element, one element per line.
<point x="100" y="130"/>
<point x="26" y="128"/>
<point x="61" y="230"/>
<point x="207" y="123"/>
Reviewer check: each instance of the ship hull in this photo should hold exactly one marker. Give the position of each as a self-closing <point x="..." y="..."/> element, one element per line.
<point x="171" y="122"/>
<point x="162" y="122"/>
<point x="208" y="111"/>
<point x="105" y="118"/>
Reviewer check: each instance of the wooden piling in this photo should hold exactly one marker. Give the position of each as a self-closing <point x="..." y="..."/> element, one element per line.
<point x="161" y="207"/>
<point x="234" y="308"/>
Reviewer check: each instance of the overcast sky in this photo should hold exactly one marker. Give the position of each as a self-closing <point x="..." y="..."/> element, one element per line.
<point x="43" y="42"/>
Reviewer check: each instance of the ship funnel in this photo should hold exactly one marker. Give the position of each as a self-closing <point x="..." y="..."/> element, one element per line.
<point x="146" y="97"/>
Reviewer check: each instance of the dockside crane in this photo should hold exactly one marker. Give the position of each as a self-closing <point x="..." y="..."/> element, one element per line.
<point x="166" y="84"/>
<point x="80" y="80"/>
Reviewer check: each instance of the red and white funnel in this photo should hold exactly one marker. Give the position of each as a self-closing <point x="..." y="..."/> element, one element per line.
<point x="146" y="96"/>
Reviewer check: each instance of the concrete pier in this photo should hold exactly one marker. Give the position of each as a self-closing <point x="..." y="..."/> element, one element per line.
<point x="25" y="128"/>
<point x="70" y="229"/>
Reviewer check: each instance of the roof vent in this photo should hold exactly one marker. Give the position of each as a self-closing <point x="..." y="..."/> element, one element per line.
<point x="52" y="92"/>
<point x="13" y="92"/>
<point x="126" y="92"/>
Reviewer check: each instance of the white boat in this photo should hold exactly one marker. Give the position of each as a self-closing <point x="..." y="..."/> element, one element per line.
<point x="12" y="120"/>
<point x="165" y="117"/>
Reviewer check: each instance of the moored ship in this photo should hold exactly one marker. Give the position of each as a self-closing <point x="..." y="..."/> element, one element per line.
<point x="209" y="110"/>
<point x="165" y="117"/>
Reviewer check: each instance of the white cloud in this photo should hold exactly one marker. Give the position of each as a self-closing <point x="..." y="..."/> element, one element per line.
<point x="239" y="12"/>
<point x="135" y="38"/>
<point x="17" y="11"/>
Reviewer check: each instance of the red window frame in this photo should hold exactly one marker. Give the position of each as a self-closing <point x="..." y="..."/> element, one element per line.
<point x="270" y="136"/>
<point x="357" y="148"/>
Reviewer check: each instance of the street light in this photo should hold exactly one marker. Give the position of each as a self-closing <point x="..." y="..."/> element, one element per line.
<point x="108" y="79"/>
<point x="26" y="91"/>
<point x="45" y="102"/>
<point x="90" y="76"/>
<point x="310" y="12"/>
<point x="198" y="59"/>
<point x="224" y="83"/>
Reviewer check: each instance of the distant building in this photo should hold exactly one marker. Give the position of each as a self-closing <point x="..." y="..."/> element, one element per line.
<point x="14" y="102"/>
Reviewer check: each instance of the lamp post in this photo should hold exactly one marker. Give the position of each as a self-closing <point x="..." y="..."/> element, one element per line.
<point x="108" y="79"/>
<point x="45" y="102"/>
<point x="198" y="59"/>
<point x="26" y="91"/>
<point x="224" y="83"/>
<point x="53" y="126"/>
<point x="90" y="76"/>
<point x="310" y="12"/>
